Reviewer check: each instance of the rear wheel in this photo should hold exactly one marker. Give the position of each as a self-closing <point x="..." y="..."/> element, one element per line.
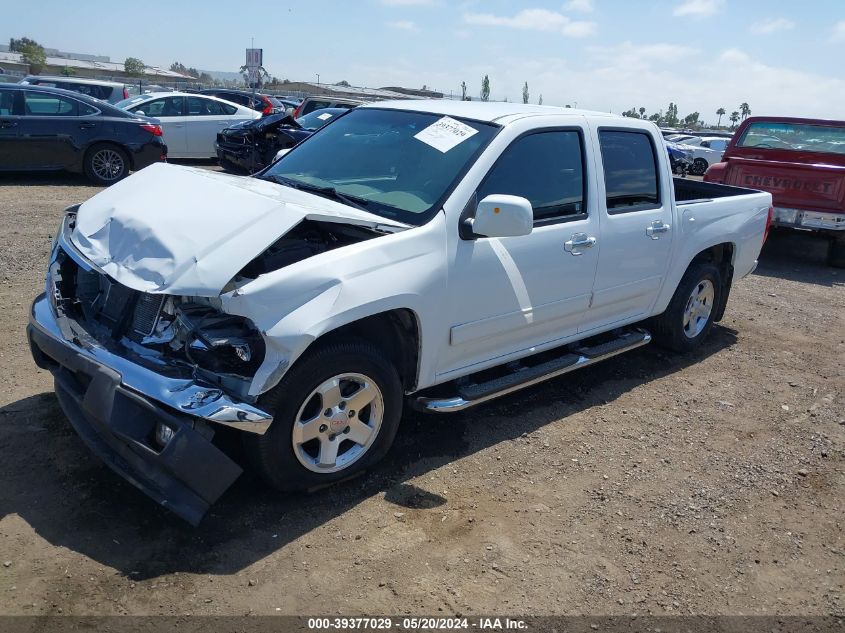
<point x="105" y="164"/>
<point x="689" y="317"/>
<point x="335" y="413"/>
<point x="699" y="166"/>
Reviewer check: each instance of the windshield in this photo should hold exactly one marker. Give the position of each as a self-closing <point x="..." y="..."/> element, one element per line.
<point x="394" y="163"/>
<point x="803" y="137"/>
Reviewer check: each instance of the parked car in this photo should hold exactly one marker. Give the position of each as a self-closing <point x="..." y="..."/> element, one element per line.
<point x="44" y="129"/>
<point x="439" y="251"/>
<point x="263" y="103"/>
<point x="680" y="159"/>
<point x="801" y="162"/>
<point x="702" y="156"/>
<point x="309" y="104"/>
<point x="250" y="146"/>
<point x="190" y="121"/>
<point x="110" y="91"/>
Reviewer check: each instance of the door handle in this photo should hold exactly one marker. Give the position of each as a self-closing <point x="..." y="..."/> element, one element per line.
<point x="579" y="240"/>
<point x="7" y="124"/>
<point x="656" y="227"/>
<point x="86" y="126"/>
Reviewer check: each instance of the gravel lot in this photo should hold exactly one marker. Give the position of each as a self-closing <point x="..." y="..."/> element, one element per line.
<point x="654" y="483"/>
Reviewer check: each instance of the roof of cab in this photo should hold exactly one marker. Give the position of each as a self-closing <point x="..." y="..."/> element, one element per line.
<point x="492" y="111"/>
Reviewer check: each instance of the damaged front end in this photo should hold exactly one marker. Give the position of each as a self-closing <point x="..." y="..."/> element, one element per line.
<point x="250" y="146"/>
<point x="146" y="379"/>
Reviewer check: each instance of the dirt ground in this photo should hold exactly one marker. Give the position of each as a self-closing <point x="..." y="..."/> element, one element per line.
<point x="654" y="483"/>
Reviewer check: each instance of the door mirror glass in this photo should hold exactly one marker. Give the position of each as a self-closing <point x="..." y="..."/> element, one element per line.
<point x="141" y="112"/>
<point x="501" y="215"/>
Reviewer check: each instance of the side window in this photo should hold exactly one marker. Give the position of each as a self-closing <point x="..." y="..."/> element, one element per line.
<point x="43" y="104"/>
<point x="87" y="110"/>
<point x="547" y="169"/>
<point x="7" y="102"/>
<point x="167" y="106"/>
<point x="227" y="108"/>
<point x="314" y="105"/>
<point x="630" y="170"/>
<point x="198" y="106"/>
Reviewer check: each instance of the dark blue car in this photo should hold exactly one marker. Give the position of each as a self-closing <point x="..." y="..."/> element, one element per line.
<point x="250" y="146"/>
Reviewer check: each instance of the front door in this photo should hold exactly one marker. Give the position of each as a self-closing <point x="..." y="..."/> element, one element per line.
<point x="636" y="216"/>
<point x="205" y="118"/>
<point x="170" y="112"/>
<point x="49" y="131"/>
<point x="508" y="296"/>
<point x="9" y="129"/>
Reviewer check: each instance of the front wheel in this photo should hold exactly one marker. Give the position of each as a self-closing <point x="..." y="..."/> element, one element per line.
<point x="836" y="252"/>
<point x="689" y="317"/>
<point x="335" y="413"/>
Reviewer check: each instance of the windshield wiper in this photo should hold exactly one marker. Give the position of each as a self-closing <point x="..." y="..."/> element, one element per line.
<point x="328" y="192"/>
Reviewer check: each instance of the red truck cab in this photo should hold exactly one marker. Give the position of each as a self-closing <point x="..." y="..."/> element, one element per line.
<point x="801" y="162"/>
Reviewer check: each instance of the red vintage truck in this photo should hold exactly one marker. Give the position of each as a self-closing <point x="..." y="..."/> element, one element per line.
<point x="801" y="162"/>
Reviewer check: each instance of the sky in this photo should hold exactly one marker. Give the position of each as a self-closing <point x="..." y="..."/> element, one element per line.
<point x="782" y="57"/>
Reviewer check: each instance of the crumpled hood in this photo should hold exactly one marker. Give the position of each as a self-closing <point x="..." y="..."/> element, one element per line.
<point x="188" y="231"/>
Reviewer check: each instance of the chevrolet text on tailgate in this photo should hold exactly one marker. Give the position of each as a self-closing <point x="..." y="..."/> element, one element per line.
<point x="436" y="252"/>
<point x="801" y="162"/>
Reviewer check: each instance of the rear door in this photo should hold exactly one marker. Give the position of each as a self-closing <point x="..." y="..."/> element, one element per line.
<point x="10" y="108"/>
<point x="636" y="225"/>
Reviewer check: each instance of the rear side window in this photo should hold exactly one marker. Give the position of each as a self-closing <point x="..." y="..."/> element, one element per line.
<point x="547" y="169"/>
<point x="630" y="170"/>
<point x="43" y="104"/>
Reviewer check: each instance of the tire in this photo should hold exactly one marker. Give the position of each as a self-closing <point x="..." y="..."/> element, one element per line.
<point x="287" y="462"/>
<point x="836" y="252"/>
<point x="674" y="329"/>
<point x="105" y="164"/>
<point x="699" y="166"/>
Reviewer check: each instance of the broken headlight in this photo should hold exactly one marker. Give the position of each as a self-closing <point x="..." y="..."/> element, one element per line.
<point x="220" y="343"/>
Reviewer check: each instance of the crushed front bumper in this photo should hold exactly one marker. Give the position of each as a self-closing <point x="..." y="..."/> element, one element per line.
<point x="116" y="407"/>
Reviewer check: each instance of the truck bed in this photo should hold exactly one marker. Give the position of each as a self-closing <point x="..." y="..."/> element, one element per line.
<point x="692" y="191"/>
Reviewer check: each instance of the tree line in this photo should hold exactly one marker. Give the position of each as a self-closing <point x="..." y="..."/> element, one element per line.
<point x="670" y="117"/>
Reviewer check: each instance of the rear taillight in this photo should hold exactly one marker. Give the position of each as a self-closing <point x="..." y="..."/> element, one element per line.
<point x="297" y="111"/>
<point x="125" y="93"/>
<point x="155" y="130"/>
<point x="268" y="107"/>
<point x="768" y="223"/>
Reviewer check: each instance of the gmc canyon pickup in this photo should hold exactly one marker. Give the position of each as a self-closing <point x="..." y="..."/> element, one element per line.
<point x="437" y="252"/>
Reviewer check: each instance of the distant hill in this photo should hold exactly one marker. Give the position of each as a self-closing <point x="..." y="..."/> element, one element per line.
<point x="223" y="76"/>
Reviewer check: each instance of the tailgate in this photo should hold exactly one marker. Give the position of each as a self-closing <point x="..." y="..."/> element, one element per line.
<point x="792" y="185"/>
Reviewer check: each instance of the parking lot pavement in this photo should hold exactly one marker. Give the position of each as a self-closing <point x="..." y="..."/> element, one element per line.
<point x="711" y="483"/>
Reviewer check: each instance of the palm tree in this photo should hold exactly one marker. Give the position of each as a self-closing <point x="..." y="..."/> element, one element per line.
<point x="734" y="118"/>
<point x="745" y="110"/>
<point x="721" y="113"/>
<point x="642" y="112"/>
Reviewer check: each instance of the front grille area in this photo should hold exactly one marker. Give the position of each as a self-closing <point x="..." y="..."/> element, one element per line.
<point x="104" y="305"/>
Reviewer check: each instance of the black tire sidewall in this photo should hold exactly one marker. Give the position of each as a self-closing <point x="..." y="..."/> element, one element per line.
<point x="836" y="252"/>
<point x="670" y="325"/>
<point x="273" y="452"/>
<point x="89" y="158"/>
<point x="699" y="170"/>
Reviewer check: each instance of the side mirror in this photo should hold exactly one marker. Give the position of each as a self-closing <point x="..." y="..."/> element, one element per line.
<point x="280" y="153"/>
<point x="140" y="112"/>
<point x="289" y="111"/>
<point x="502" y="216"/>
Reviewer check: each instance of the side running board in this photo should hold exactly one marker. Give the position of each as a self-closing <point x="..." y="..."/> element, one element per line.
<point x="571" y="359"/>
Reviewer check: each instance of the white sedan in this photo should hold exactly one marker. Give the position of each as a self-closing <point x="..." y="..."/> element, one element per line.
<point x="190" y="121"/>
<point x="702" y="154"/>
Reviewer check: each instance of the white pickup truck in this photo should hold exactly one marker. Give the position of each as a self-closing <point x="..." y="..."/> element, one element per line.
<point x="437" y="252"/>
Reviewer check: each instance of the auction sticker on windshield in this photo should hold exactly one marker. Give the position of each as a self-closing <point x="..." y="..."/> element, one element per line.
<point x="445" y="134"/>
